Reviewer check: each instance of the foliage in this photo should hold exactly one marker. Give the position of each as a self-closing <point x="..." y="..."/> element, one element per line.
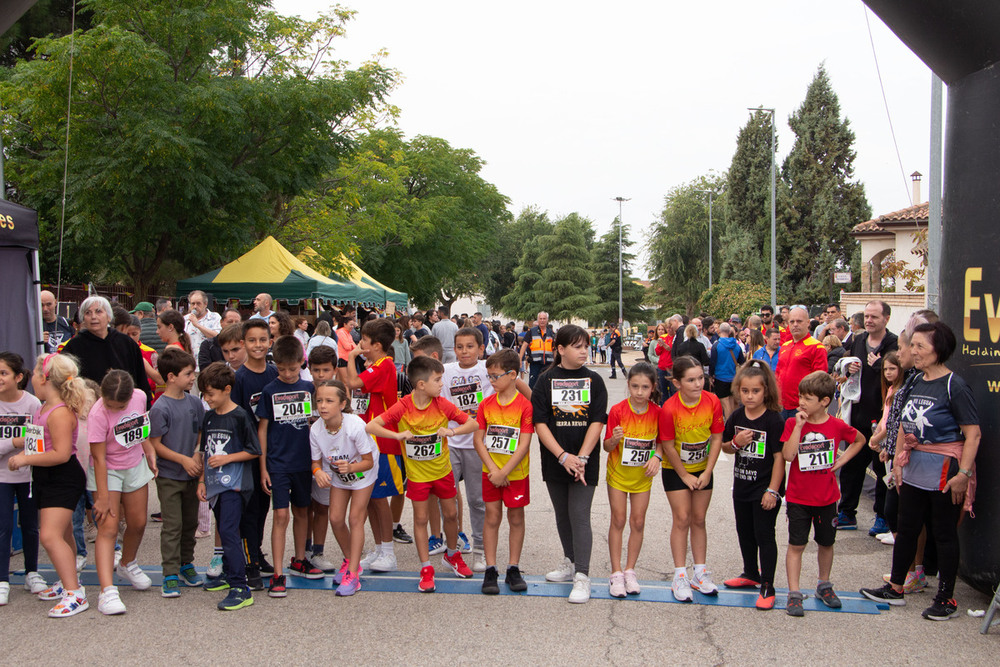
<point x="566" y="283"/>
<point x="497" y="271"/>
<point x="734" y="296"/>
<point x="745" y="248"/>
<point x="605" y="277"/>
<point x="896" y="273"/>
<point x="44" y="19"/>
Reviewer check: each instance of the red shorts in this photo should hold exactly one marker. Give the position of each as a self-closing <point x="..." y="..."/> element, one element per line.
<point x="443" y="488"/>
<point x="514" y="494"/>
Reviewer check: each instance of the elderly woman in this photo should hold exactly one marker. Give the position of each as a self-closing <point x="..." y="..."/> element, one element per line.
<point x="934" y="470"/>
<point x="101" y="348"/>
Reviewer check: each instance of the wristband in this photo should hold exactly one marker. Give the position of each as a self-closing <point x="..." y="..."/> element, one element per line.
<point x="316" y="470"/>
<point x="658" y="456"/>
<point x="967" y="473"/>
<point x="562" y="457"/>
<point x="200" y="481"/>
<point x="584" y="458"/>
<point x="774" y="493"/>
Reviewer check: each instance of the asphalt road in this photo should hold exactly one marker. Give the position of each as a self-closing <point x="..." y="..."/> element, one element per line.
<point x="312" y="626"/>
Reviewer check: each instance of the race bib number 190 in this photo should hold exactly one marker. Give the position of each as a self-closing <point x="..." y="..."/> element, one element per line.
<point x="12" y="426"/>
<point x="570" y="391"/>
<point x="292" y="406"/>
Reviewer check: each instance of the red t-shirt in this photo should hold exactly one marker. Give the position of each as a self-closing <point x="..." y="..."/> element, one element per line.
<point x="795" y="361"/>
<point x="661" y="346"/>
<point x="380" y="384"/>
<point x="816" y="488"/>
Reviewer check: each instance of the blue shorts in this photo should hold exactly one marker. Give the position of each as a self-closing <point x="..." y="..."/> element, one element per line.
<point x="391" y="479"/>
<point x="294" y="486"/>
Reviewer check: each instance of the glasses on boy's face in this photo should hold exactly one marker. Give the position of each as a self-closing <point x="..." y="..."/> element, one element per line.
<point x="494" y="378"/>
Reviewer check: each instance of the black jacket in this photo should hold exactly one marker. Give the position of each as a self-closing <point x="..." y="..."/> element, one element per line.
<point x="869" y="407"/>
<point x="209" y="352"/>
<point x="97" y="356"/>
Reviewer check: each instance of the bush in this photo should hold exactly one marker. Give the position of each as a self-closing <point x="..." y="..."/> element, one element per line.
<point x="734" y="296"/>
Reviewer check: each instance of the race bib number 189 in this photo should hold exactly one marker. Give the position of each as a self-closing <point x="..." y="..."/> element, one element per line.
<point x="130" y="431"/>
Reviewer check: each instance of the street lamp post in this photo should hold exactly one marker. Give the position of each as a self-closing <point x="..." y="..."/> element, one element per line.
<point x="620" y="201"/>
<point x="774" y="255"/>
<point x="710" y="193"/>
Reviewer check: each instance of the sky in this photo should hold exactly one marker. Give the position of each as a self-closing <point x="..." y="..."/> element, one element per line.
<point x="574" y="104"/>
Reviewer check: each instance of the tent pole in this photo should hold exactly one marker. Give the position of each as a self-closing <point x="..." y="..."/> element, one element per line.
<point x="39" y="343"/>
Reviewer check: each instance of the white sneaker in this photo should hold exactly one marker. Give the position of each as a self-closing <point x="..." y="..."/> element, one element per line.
<point x="564" y="572"/>
<point x="81" y="562"/>
<point x="581" y="589"/>
<point x="4" y="592"/>
<point x="704" y="584"/>
<point x="135" y="576"/>
<point x="321" y="562"/>
<point x="882" y="536"/>
<point x="118" y="557"/>
<point x="384" y="563"/>
<point x="681" y="588"/>
<point x="632" y="583"/>
<point x="616" y="585"/>
<point x="478" y="561"/>
<point x="34" y="583"/>
<point x="214" y="567"/>
<point x="369" y="558"/>
<point x="110" y="603"/>
<point x="889" y="539"/>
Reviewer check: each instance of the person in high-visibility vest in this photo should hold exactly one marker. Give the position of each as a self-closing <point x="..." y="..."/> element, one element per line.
<point x="538" y="341"/>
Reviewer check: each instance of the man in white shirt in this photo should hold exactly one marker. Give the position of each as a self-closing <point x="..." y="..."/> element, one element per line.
<point x="262" y="306"/>
<point x="444" y="330"/>
<point x="202" y="323"/>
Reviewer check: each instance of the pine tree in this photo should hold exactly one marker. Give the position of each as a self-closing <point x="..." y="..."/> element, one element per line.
<point x="745" y="243"/>
<point x="566" y="285"/>
<point x="605" y="272"/>
<point x="524" y="300"/>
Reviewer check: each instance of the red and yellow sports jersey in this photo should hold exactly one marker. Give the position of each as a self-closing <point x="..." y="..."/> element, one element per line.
<point x="795" y="361"/>
<point x="380" y="386"/>
<point x="691" y="427"/>
<point x="641" y="432"/>
<point x="503" y="426"/>
<point x="427" y="457"/>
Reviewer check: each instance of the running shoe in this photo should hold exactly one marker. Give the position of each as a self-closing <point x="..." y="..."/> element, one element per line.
<point x="71" y="604"/>
<point x="886" y="594"/>
<point x="400" y="535"/>
<point x="118" y="555"/>
<point x="845" y="522"/>
<point x="828" y="597"/>
<point x="888" y="540"/>
<point x="345" y="567"/>
<point x="34" y="584"/>
<point x="616" y="585"/>
<point x="880" y="526"/>
<point x="369" y="558"/>
<point x="349" y="586"/>
<point x="276" y="587"/>
<point x="215" y="566"/>
<point x="90" y="531"/>
<point x="321" y="562"/>
<point x="463" y="543"/>
<point x="53" y="592"/>
<point x="765" y="600"/>
<point x="742" y="581"/>
<point x="681" y="588"/>
<point x="794" y="605"/>
<point x="478" y="561"/>
<point x="302" y="568"/>
<point x="457" y="565"/>
<point x="915" y="582"/>
<point x="265" y="567"/>
<point x="254" y="581"/>
<point x="514" y="580"/>
<point x="4" y="592"/>
<point x="581" y="589"/>
<point x="941" y="610"/>
<point x="156" y="517"/>
<point x="435" y="545"/>
<point x="703" y="583"/>
<point x="171" y="588"/>
<point x="490" y="581"/>
<point x="564" y="572"/>
<point x="882" y="536"/>
<point x="632" y="583"/>
<point x="134" y="575"/>
<point x="426" y="584"/>
<point x="81" y="562"/>
<point x="216" y="584"/>
<point x="237" y="599"/>
<point x="384" y="563"/>
<point x="110" y="602"/>
<point x="190" y="576"/>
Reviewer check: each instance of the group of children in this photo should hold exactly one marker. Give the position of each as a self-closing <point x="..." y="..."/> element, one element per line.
<point x="336" y="450"/>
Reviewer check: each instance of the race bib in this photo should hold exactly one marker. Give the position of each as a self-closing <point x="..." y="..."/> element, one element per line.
<point x="254" y="400"/>
<point x="636" y="452"/>
<point x="292" y="406"/>
<point x="693" y="452"/>
<point x="132" y="430"/>
<point x="501" y="439"/>
<point x="345" y="478"/>
<point x="12" y="426"/>
<point x="757" y="446"/>
<point x="34" y="439"/>
<point x="423" y="447"/>
<point x="360" y="401"/>
<point x="815" y="455"/>
<point x="467" y="397"/>
<point x="570" y="391"/>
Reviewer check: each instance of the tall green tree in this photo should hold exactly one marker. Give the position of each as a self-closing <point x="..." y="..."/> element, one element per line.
<point x="566" y="282"/>
<point x="745" y="243"/>
<point x="498" y="269"/>
<point x="824" y="201"/>
<point x="525" y="299"/>
<point x="605" y="277"/>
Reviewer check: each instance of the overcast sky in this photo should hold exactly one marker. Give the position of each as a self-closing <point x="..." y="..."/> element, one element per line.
<point x="573" y="104"/>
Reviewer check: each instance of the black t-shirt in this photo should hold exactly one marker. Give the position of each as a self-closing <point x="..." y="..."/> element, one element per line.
<point x="616" y="341"/>
<point x="583" y="400"/>
<point x="869" y="407"/>
<point x="248" y="387"/>
<point x="752" y="468"/>
<point x="229" y="433"/>
<point x="60" y="331"/>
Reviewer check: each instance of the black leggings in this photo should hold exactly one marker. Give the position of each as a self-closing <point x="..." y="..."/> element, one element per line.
<point x="915" y="505"/>
<point x="755" y="530"/>
<point x="571" y="503"/>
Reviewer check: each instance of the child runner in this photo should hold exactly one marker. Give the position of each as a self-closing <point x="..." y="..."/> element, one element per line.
<point x="16" y="408"/>
<point x="57" y="479"/>
<point x="502" y="441"/>
<point x="569" y="407"/>
<point x="344" y="460"/>
<point x="691" y="435"/>
<point x="753" y="434"/>
<point x="174" y="425"/>
<point x="892" y="380"/>
<point x="322" y="367"/>
<point x="811" y="442"/>
<point x="423" y="418"/>
<point x="122" y="463"/>
<point x="430" y="346"/>
<point x="633" y="459"/>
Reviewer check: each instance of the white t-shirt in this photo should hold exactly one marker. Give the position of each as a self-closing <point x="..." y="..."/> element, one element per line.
<point x="211" y="320"/>
<point x="13" y="417"/>
<point x="466" y="388"/>
<point x="350" y="442"/>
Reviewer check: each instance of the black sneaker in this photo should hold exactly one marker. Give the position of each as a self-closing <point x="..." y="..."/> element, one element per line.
<point x="237" y="599"/>
<point x="941" y="610"/>
<point x="216" y="584"/>
<point x="266" y="568"/>
<point x="400" y="535"/>
<point x="794" y="605"/>
<point x="254" y="581"/>
<point x="156" y="517"/>
<point x="514" y="580"/>
<point x="490" y="585"/>
<point x="276" y="587"/>
<point x="886" y="594"/>
<point x="828" y="597"/>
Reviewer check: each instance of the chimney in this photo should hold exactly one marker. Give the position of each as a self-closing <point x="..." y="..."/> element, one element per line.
<point x="916" y="176"/>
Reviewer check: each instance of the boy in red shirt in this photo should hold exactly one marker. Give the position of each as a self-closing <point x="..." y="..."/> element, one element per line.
<point x="811" y="442"/>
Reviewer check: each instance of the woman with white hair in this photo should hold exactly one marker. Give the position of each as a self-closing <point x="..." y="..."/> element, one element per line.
<point x="99" y="347"/>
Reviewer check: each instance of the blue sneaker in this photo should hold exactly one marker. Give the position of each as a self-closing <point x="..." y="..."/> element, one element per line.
<point x="238" y="598"/>
<point x="879" y="527"/>
<point x="216" y="584"/>
<point x="435" y="545"/>
<point x="190" y="575"/>
<point x="463" y="544"/>
<point x="171" y="587"/>
<point x="845" y="522"/>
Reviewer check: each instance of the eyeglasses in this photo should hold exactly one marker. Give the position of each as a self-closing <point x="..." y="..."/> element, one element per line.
<point x="494" y="378"/>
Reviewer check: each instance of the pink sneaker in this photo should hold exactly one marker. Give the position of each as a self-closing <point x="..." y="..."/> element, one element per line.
<point x="344" y="569"/>
<point x="616" y="585"/>
<point x="631" y="583"/>
<point x="349" y="586"/>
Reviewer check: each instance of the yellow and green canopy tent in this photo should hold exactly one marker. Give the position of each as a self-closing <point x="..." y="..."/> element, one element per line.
<point x="356" y="275"/>
<point x="272" y="269"/>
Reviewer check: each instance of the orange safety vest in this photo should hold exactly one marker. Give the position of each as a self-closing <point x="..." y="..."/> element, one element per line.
<point x="540" y="346"/>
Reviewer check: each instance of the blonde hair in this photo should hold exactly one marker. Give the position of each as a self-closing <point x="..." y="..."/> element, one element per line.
<point x="832" y="342"/>
<point x="63" y="371"/>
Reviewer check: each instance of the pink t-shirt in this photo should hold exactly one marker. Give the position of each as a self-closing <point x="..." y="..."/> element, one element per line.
<point x="122" y="432"/>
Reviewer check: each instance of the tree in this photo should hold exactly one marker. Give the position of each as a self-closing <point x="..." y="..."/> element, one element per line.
<point x="525" y="300"/>
<point x="605" y="277"/>
<point x="498" y="269"/>
<point x="745" y="247"/>
<point x="566" y="284"/>
<point x="192" y="123"/>
<point x="734" y="296"/>
<point x="815" y="239"/>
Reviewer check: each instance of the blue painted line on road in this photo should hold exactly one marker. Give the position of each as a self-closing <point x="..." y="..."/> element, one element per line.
<point x="406" y="582"/>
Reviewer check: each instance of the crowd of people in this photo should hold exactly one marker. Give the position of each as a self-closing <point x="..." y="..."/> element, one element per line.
<point x="337" y="427"/>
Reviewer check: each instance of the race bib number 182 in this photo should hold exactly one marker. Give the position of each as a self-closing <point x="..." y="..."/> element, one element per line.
<point x="34" y="439"/>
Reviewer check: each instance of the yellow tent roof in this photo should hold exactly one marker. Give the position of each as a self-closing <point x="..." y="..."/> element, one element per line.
<point x="358" y="276"/>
